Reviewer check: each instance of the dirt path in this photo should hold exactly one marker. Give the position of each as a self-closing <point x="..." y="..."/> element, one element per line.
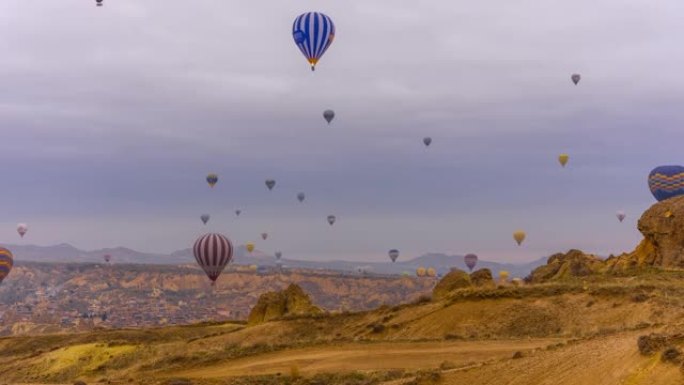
<point x="368" y="356"/>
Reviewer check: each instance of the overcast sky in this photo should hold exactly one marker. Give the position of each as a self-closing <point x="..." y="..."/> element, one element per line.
<point x="111" y="117"/>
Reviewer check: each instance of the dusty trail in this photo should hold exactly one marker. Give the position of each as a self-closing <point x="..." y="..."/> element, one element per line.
<point x="368" y="357"/>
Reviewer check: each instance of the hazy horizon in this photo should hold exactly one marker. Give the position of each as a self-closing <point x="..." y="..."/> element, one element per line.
<point x="113" y="116"/>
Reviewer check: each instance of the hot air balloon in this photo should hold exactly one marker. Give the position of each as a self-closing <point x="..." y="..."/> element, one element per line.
<point x="563" y="159"/>
<point x="107" y="258"/>
<point x="212" y="179"/>
<point x="427" y="140"/>
<point x="394" y="254"/>
<point x="6" y="263"/>
<point x="420" y="272"/>
<point x="470" y="261"/>
<point x="213" y="252"/>
<point x="519" y="236"/>
<point x="621" y="215"/>
<point x="270" y="183"/>
<point x="22" y="228"/>
<point x="576" y="78"/>
<point x="313" y="32"/>
<point x="205" y="218"/>
<point x="98" y="3"/>
<point x="278" y="254"/>
<point x="264" y="236"/>
<point x="405" y="274"/>
<point x="249" y="246"/>
<point x="666" y="182"/>
<point x="430" y="272"/>
<point x="331" y="219"/>
<point x="301" y="196"/>
<point x="238" y="212"/>
<point x="329" y="115"/>
<point x="503" y="275"/>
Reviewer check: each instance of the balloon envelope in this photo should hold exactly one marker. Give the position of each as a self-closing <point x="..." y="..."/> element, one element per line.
<point x="430" y="272"/>
<point x="666" y="182"/>
<point x="421" y="271"/>
<point x="278" y="254"/>
<point x="563" y="159"/>
<point x="270" y="183"/>
<point x="576" y="78"/>
<point x="22" y="229"/>
<point x="301" y="197"/>
<point x="503" y="275"/>
<point x="313" y="32"/>
<point x="394" y="254"/>
<point x="212" y="253"/>
<point x="621" y="215"/>
<point x="107" y="258"/>
<point x="470" y="261"/>
<point x="519" y="236"/>
<point x="212" y="179"/>
<point x="204" y="218"/>
<point x="329" y="115"/>
<point x="238" y="212"/>
<point x="427" y="140"/>
<point x="250" y="247"/>
<point x="6" y="263"/>
<point x="264" y="236"/>
<point x="331" y="219"/>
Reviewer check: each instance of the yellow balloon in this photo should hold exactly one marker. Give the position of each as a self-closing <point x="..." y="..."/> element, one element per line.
<point x="519" y="236"/>
<point x="431" y="272"/>
<point x="250" y="247"/>
<point x="421" y="272"/>
<point x="563" y="159"/>
<point x="503" y="275"/>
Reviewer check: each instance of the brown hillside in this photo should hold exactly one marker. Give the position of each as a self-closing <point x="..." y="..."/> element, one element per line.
<point x="273" y="305"/>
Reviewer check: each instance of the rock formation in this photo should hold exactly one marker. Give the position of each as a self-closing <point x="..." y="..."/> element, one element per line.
<point x="482" y="277"/>
<point x="278" y="304"/>
<point x="456" y="279"/>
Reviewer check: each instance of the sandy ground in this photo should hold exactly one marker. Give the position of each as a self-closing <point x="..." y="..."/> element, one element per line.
<point x="369" y="356"/>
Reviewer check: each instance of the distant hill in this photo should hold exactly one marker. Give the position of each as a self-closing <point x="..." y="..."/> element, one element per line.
<point x="65" y="253"/>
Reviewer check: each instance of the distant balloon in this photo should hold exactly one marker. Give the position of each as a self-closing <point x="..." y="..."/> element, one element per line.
<point x="249" y="246"/>
<point x="278" y="254"/>
<point x="329" y="115"/>
<point x="238" y="212"/>
<point x="205" y="218"/>
<point x="394" y="254"/>
<point x="212" y="179"/>
<point x="264" y="236"/>
<point x="313" y="32"/>
<point x="98" y="3"/>
<point x="107" y="258"/>
<point x="576" y="78"/>
<point x="427" y="140"/>
<point x="6" y="263"/>
<point x="503" y="275"/>
<point x="470" y="261"/>
<point x="431" y="272"/>
<point x="213" y="252"/>
<point x="621" y="215"/>
<point x="301" y="197"/>
<point x="563" y="159"/>
<point x="270" y="183"/>
<point x="420" y="272"/>
<point x="666" y="182"/>
<point x="519" y="236"/>
<point x="22" y="228"/>
<point x="331" y="219"/>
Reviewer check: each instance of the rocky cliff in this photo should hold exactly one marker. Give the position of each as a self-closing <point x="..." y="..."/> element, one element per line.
<point x="278" y="304"/>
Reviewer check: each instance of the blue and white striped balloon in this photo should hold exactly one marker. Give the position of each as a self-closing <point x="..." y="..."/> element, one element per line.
<point x="313" y="32"/>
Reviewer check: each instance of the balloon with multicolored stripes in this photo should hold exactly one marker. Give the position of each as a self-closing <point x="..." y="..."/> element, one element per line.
<point x="6" y="263"/>
<point x="213" y="252"/>
<point x="313" y="32"/>
<point x="666" y="182"/>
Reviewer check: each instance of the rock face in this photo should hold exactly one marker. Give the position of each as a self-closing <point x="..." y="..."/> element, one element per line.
<point x="278" y="304"/>
<point x="482" y="277"/>
<point x="456" y="279"/>
<point x="574" y="263"/>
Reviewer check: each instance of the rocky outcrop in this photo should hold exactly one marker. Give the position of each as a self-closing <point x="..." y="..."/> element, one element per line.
<point x="292" y="301"/>
<point x="482" y="277"/>
<point x="560" y="266"/>
<point x="456" y="279"/>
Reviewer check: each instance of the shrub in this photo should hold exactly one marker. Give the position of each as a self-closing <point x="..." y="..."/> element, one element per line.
<point x="446" y="365"/>
<point x="294" y="371"/>
<point x="651" y="343"/>
<point x="378" y="328"/>
<point x="671" y="354"/>
<point x="517" y="355"/>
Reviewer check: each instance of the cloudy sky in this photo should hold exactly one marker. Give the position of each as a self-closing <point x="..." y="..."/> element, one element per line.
<point x="112" y="116"/>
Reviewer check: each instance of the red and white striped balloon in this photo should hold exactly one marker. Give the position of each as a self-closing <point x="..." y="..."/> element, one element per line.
<point x="213" y="252"/>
